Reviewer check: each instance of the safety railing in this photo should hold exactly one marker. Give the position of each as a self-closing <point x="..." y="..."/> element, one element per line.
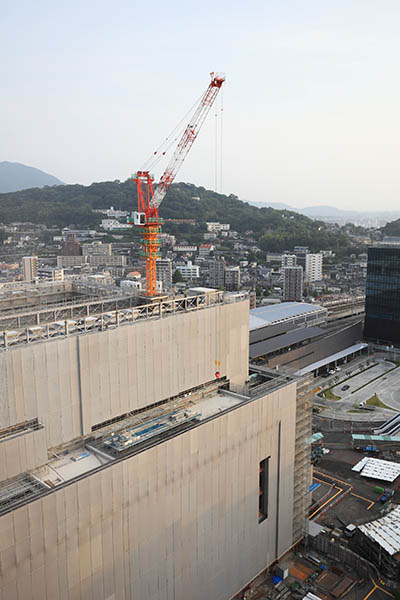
<point x="103" y="320"/>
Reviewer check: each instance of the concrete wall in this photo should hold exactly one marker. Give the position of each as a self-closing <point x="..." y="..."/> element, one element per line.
<point x="176" y="522"/>
<point x="74" y="383"/>
<point x="22" y="453"/>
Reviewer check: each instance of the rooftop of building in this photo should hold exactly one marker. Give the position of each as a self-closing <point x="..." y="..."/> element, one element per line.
<point x="375" y="468"/>
<point x="269" y="315"/>
<point x="24" y="304"/>
<point x="43" y="313"/>
<point x="385" y="531"/>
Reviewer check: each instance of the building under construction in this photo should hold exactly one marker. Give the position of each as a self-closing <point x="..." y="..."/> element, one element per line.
<point x="139" y="455"/>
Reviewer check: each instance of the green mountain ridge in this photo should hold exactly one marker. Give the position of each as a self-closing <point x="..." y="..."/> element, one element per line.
<point x="392" y="229"/>
<point x="65" y="205"/>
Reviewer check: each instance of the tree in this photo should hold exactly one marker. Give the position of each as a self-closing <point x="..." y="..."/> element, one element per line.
<point x="177" y="277"/>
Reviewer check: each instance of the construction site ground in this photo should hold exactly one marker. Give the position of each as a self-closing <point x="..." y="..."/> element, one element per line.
<point x="342" y="497"/>
<point x="359" y="504"/>
<point x="329" y="582"/>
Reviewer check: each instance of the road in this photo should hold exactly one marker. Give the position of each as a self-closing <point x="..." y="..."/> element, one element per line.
<point x="382" y="379"/>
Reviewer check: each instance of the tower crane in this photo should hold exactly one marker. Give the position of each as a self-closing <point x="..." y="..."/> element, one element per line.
<point x="150" y="198"/>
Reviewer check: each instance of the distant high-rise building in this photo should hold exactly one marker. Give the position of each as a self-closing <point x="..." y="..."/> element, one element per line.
<point x="164" y="272"/>
<point x="99" y="260"/>
<point x="216" y="273"/>
<point x="288" y="260"/>
<point x="189" y="271"/>
<point x="71" y="246"/>
<point x="253" y="300"/>
<point x="300" y="250"/>
<point x="97" y="248"/>
<point x="232" y="279"/>
<point x="313" y="270"/>
<point x="29" y="267"/>
<point x="50" y="274"/>
<point x="292" y="284"/>
<point x="382" y="301"/>
<point x="66" y="262"/>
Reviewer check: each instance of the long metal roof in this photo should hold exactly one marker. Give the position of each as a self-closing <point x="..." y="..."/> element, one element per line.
<point x="332" y="358"/>
<point x="375" y="468"/>
<point x="282" y="341"/>
<point x="385" y="531"/>
<point x="274" y="313"/>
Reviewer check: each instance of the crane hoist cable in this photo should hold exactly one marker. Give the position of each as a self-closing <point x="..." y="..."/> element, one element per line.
<point x="170" y="140"/>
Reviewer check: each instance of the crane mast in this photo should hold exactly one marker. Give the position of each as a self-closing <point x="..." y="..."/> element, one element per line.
<point x="149" y="200"/>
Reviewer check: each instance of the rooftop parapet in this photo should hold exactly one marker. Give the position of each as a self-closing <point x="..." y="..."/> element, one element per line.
<point x="98" y="315"/>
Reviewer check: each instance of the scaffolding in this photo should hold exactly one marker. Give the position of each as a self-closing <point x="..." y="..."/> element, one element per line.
<point x="99" y="315"/>
<point x="302" y="462"/>
<point x="17" y="490"/>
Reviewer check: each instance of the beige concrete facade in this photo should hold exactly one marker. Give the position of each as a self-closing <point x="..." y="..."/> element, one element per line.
<point x="74" y="383"/>
<point x="178" y="521"/>
<point x="22" y="453"/>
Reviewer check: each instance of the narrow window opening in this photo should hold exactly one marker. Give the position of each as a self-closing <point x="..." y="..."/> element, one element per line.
<point x="263" y="490"/>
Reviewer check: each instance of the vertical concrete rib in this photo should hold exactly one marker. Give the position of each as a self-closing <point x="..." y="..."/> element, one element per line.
<point x="78" y="360"/>
<point x="278" y="482"/>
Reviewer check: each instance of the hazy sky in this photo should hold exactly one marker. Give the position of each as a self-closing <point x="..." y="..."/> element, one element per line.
<point x="311" y="103"/>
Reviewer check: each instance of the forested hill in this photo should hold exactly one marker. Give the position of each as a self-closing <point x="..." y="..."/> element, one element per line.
<point x="392" y="228"/>
<point x="65" y="205"/>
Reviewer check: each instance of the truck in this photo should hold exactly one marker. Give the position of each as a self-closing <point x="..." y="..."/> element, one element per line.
<point x="387" y="494"/>
<point x="350" y="530"/>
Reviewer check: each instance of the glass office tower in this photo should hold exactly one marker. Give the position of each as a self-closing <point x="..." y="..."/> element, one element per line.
<point x="382" y="302"/>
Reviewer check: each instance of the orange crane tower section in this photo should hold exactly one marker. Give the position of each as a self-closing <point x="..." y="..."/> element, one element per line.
<point x="149" y="199"/>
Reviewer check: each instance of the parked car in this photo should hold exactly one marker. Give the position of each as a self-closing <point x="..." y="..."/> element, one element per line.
<point x="345" y="387"/>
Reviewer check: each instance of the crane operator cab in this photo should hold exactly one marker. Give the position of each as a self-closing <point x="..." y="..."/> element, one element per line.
<point x="139" y="218"/>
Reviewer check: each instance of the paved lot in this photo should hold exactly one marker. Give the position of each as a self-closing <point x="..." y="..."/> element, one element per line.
<point x="362" y="504"/>
<point x="381" y="379"/>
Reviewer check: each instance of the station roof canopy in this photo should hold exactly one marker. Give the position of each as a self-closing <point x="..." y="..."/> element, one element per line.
<point x="385" y="531"/>
<point x="325" y="361"/>
<point x="275" y="313"/>
<point x="375" y="438"/>
<point x="283" y="341"/>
